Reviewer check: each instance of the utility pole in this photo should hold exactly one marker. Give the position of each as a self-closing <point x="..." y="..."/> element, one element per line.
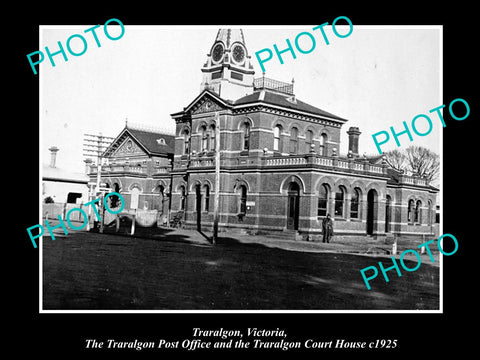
<point x="95" y="146"/>
<point x="216" y="200"/>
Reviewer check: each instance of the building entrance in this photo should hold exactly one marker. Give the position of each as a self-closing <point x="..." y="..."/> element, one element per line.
<point x="293" y="206"/>
<point x="372" y="207"/>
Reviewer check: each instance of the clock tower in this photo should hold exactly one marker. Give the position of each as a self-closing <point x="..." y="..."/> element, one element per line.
<point x="228" y="70"/>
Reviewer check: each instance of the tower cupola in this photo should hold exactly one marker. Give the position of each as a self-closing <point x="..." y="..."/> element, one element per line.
<point x="228" y="70"/>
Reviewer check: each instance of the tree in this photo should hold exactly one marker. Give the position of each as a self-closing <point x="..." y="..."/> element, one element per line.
<point x="396" y="159"/>
<point x="48" y="200"/>
<point x="417" y="160"/>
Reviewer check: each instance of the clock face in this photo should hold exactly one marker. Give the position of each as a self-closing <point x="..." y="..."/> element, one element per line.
<point x="238" y="53"/>
<point x="217" y="52"/>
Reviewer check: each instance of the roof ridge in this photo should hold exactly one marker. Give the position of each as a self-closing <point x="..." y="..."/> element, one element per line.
<point x="277" y="99"/>
<point x="150" y="129"/>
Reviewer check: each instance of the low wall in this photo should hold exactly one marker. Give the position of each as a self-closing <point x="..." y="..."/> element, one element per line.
<point x="144" y="218"/>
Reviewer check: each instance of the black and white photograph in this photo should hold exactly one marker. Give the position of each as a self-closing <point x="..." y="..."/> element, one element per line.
<point x="222" y="187"/>
<point x="247" y="185"/>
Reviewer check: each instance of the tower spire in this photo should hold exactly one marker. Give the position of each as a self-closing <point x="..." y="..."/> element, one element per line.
<point x="228" y="70"/>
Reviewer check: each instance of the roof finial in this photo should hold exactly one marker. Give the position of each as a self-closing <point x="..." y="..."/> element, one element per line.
<point x="126" y="122"/>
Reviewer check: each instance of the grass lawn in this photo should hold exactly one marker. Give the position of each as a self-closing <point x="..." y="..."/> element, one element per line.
<point x="109" y="272"/>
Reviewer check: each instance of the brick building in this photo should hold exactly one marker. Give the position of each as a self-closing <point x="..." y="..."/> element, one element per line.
<point x="137" y="165"/>
<point x="280" y="165"/>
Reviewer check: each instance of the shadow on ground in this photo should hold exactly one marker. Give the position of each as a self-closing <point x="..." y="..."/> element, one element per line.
<point x="181" y="270"/>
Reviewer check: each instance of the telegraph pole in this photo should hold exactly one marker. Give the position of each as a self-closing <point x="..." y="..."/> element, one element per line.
<point x="95" y="146"/>
<point x="216" y="199"/>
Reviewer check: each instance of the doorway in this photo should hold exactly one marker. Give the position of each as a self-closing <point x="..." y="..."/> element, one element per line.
<point x="198" y="206"/>
<point x="293" y="206"/>
<point x="388" y="213"/>
<point x="372" y="205"/>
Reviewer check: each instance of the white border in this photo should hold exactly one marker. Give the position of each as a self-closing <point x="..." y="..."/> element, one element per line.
<point x="375" y="27"/>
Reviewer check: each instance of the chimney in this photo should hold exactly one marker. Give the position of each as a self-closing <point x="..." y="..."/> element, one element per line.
<point x="353" y="137"/>
<point x="53" y="155"/>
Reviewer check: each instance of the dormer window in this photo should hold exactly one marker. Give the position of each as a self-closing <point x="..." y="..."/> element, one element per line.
<point x="161" y="141"/>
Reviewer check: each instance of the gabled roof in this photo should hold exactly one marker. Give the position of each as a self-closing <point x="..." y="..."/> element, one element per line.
<point x="285" y="101"/>
<point x="148" y="140"/>
<point x="204" y="94"/>
<point x="265" y="97"/>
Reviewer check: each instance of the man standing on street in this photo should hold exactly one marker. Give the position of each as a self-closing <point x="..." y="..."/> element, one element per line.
<point x="327" y="228"/>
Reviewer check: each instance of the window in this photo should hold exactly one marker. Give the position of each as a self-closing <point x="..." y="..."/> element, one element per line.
<point x="186" y="141"/>
<point x="212" y="138"/>
<point x="308" y="140"/>
<point x="418" y="212"/>
<point x="354" y="204"/>
<point x="206" y="203"/>
<point x="410" y="212"/>
<point x="243" y="199"/>
<point x="294" y="140"/>
<point x="72" y="197"/>
<point x="134" y="198"/>
<point x="322" y="150"/>
<point x="236" y="76"/>
<point x="216" y="75"/>
<point x="276" y="138"/>
<point x="323" y="201"/>
<point x="204" y="135"/>
<point x="246" y="136"/>
<point x="339" y="201"/>
<point x="182" y="197"/>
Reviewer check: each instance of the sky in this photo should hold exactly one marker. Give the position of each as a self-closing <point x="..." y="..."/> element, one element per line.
<point x="377" y="77"/>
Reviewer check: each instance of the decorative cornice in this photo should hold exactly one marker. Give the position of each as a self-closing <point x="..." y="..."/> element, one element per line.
<point x="283" y="112"/>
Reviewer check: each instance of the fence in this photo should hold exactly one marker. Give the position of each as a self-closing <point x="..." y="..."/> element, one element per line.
<point x="145" y="218"/>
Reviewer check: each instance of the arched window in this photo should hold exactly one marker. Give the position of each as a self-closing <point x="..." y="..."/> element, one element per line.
<point x="246" y="135"/>
<point x="183" y="197"/>
<point x="322" y="149"/>
<point x="212" y="137"/>
<point x="243" y="199"/>
<point x="206" y="202"/>
<point x="323" y="194"/>
<point x="410" y="211"/>
<point x="161" y="197"/>
<point x="355" y="204"/>
<point x="134" y="198"/>
<point x="277" y="130"/>
<point x="339" y="201"/>
<point x="308" y="140"/>
<point x="186" y="141"/>
<point x="293" y="140"/>
<point x="418" y="212"/>
<point x="204" y="135"/>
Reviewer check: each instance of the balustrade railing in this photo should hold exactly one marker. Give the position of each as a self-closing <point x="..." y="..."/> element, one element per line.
<point x="340" y="164"/>
<point x="267" y="83"/>
<point x="285" y="161"/>
<point x="412" y="180"/>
